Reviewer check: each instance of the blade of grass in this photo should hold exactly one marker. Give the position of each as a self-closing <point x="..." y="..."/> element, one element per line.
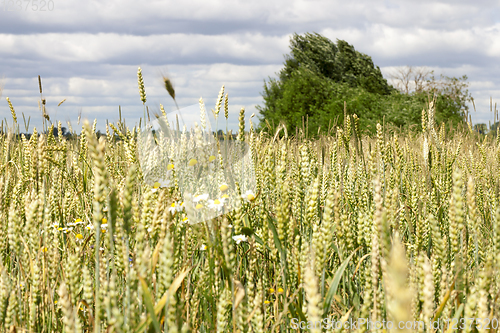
<point x="148" y="300"/>
<point x="161" y="303"/>
<point x="445" y="299"/>
<point x="332" y="290"/>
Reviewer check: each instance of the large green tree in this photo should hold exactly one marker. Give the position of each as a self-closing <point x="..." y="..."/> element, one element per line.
<point x="340" y="63"/>
<point x="317" y="75"/>
<point x="320" y="75"/>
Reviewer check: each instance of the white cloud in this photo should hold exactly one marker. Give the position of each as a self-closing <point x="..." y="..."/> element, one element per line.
<point x="110" y="47"/>
<point x="388" y="42"/>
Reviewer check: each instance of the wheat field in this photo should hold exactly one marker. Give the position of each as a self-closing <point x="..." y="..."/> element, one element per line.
<point x="399" y="227"/>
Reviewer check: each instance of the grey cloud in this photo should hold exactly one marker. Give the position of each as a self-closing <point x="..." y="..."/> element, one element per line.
<point x="88" y="52"/>
<point x="216" y="17"/>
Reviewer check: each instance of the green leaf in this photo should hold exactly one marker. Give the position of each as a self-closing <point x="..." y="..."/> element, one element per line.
<point x="161" y="303"/>
<point x="334" y="283"/>
<point x="275" y="236"/>
<point x="247" y="231"/>
<point x="148" y="300"/>
<point x="446" y="297"/>
<point x="296" y="311"/>
<point x="456" y="318"/>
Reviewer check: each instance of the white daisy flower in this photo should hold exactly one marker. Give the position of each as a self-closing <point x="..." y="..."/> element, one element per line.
<point x="175" y="207"/>
<point x="185" y="220"/>
<point x="104" y="226"/>
<point x="160" y="184"/>
<point x="150" y="229"/>
<point x="248" y="196"/>
<point x="240" y="238"/>
<point x="201" y="197"/>
<point x="89" y="226"/>
<point x="216" y="204"/>
<point x="79" y="238"/>
<point x="164" y="183"/>
<point x="203" y="247"/>
<point x="79" y="221"/>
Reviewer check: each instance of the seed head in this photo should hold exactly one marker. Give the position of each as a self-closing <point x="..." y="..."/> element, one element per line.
<point x="226" y="108"/>
<point x="12" y="109"/>
<point x="142" y="90"/>
<point x="219" y="102"/>
<point x="168" y="86"/>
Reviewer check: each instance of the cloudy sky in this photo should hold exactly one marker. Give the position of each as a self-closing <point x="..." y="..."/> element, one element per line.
<point x="88" y="52"/>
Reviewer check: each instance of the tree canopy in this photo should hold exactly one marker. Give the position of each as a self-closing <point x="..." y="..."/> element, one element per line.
<point x="320" y="75"/>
